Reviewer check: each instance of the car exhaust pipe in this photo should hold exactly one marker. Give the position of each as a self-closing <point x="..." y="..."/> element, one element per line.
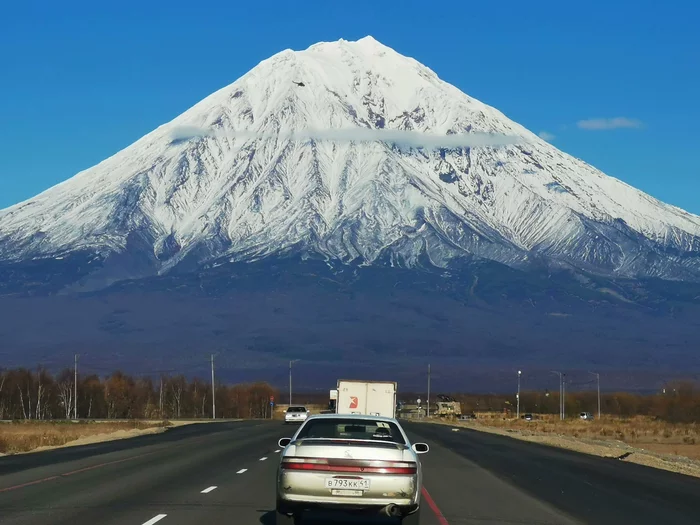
<point x="391" y="510"/>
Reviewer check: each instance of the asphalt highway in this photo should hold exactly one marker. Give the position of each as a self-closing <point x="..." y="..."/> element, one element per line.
<point x="223" y="473"/>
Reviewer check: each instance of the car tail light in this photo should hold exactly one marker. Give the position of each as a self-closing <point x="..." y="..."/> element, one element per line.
<point x="355" y="466"/>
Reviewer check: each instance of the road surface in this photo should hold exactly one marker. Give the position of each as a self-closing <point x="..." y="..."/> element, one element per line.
<point x="224" y="473"/>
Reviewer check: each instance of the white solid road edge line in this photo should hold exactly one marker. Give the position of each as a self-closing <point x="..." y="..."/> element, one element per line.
<point x="239" y="472"/>
<point x="155" y="519"/>
<point x="263" y="458"/>
<point x="209" y="489"/>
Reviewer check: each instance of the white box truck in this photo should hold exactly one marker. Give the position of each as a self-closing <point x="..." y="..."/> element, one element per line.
<point x="372" y="398"/>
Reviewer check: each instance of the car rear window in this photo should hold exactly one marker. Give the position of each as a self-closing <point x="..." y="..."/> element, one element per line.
<point x="296" y="409"/>
<point x="351" y="429"/>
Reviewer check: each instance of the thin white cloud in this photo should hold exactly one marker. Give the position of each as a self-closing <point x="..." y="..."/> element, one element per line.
<point x="595" y="124"/>
<point x="412" y="139"/>
<point x="546" y="135"/>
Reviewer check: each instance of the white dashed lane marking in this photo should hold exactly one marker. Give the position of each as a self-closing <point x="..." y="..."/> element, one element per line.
<point x="209" y="489"/>
<point x="155" y="519"/>
<point x="241" y="471"/>
<point x="263" y="458"/>
<point x="277" y="451"/>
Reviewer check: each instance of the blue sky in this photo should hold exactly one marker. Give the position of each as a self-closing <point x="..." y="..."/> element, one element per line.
<point x="81" y="81"/>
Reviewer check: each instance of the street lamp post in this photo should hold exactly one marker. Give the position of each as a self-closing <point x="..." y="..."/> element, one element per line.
<point x="290" y="383"/>
<point x="561" y="397"/>
<point x="518" y="409"/>
<point x="213" y="390"/>
<point x="428" y="401"/>
<point x="290" y="380"/>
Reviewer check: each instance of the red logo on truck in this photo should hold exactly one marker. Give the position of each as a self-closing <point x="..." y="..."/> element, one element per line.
<point x="353" y="402"/>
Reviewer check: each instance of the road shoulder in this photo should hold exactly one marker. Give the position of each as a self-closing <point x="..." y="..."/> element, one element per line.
<point x="602" y="448"/>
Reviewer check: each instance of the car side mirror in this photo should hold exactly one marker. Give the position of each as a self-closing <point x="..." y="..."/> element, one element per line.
<point x="420" y="448"/>
<point x="284" y="442"/>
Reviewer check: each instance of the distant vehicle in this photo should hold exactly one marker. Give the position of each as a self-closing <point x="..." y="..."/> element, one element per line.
<point x="349" y="463"/>
<point x="296" y="414"/>
<point x="372" y="398"/>
<point x="468" y="416"/>
<point x="332" y="401"/>
<point x="528" y="417"/>
<point x="586" y="415"/>
<point x="447" y="406"/>
<point x="409" y="411"/>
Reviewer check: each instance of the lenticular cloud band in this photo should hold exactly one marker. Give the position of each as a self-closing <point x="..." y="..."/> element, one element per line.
<point x="412" y="139"/>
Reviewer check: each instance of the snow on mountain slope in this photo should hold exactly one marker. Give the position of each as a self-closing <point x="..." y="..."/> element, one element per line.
<point x="247" y="190"/>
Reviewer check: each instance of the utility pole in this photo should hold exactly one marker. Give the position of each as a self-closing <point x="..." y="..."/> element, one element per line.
<point x="75" y="388"/>
<point x="518" y="409"/>
<point x="161" y="396"/>
<point x="598" y="378"/>
<point x="597" y="375"/>
<point x="428" y="401"/>
<point x="290" y="383"/>
<point x="213" y="390"/>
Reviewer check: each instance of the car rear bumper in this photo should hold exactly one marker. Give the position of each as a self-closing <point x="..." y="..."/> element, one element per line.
<point x="307" y="490"/>
<point x="366" y="509"/>
<point x="294" y="419"/>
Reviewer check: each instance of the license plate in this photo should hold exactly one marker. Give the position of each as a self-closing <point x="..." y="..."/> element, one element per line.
<point x="352" y="484"/>
<point x="346" y="492"/>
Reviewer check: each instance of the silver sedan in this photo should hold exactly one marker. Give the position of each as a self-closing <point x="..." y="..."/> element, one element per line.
<point x="350" y="463"/>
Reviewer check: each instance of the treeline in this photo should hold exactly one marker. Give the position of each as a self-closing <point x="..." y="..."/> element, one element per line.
<point x="37" y="394"/>
<point x="677" y="403"/>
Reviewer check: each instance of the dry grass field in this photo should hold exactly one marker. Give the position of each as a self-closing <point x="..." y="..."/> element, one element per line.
<point x="640" y="432"/>
<point x="24" y="436"/>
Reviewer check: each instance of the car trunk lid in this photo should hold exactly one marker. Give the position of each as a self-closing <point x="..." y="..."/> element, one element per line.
<point x="349" y="449"/>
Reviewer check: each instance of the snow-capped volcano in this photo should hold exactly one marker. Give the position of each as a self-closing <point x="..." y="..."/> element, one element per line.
<point x="319" y="152"/>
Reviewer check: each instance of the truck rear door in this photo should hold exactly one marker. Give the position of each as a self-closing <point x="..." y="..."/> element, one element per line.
<point x="381" y="399"/>
<point x="352" y="397"/>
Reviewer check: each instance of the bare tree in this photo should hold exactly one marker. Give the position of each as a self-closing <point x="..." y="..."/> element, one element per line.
<point x="21" y="401"/>
<point x="3" y="377"/>
<point x="65" y="392"/>
<point x="39" y="393"/>
<point x="177" y="386"/>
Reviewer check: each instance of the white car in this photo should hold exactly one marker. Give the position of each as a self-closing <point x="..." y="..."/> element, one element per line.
<point x="296" y="414"/>
<point x="349" y="463"/>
